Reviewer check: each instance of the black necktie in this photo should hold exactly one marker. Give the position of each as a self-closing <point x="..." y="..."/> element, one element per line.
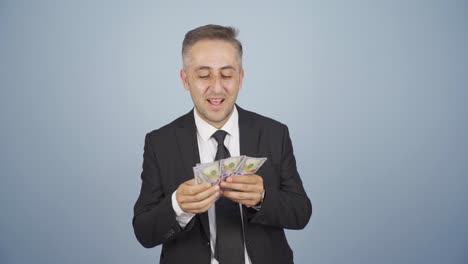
<point x="229" y="236"/>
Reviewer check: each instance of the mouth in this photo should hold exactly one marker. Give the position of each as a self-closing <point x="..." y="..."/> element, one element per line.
<point x="215" y="101"/>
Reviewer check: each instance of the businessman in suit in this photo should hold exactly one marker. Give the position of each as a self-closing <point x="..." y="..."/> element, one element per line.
<point x="241" y="220"/>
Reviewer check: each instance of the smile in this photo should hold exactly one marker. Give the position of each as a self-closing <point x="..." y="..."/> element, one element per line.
<point x="215" y="102"/>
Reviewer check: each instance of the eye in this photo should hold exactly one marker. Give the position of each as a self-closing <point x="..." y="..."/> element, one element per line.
<point x="203" y="76"/>
<point x="226" y="76"/>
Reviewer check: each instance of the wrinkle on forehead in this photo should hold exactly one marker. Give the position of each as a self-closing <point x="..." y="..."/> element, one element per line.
<point x="228" y="67"/>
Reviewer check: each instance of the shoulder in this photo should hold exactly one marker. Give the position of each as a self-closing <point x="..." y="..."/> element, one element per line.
<point x="261" y="120"/>
<point x="169" y="130"/>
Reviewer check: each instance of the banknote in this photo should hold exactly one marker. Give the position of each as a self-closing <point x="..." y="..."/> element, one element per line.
<point x="250" y="165"/>
<point x="197" y="175"/>
<point x="208" y="172"/>
<point x="230" y="165"/>
<point x="214" y="172"/>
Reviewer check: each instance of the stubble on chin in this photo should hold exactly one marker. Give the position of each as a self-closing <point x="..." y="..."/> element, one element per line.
<point x="215" y="119"/>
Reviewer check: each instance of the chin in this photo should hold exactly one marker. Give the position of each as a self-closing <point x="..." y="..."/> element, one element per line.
<point x="218" y="119"/>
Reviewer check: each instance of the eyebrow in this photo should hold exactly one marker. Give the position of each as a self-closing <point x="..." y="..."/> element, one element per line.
<point x="209" y="68"/>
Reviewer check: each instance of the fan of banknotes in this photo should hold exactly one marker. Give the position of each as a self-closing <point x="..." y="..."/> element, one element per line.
<point x="214" y="172"/>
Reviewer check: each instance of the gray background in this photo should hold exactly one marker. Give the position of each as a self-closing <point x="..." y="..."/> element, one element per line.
<point x="373" y="92"/>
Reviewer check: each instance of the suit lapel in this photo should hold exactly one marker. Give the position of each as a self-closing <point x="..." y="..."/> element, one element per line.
<point x="186" y="134"/>
<point x="187" y="142"/>
<point x="249" y="140"/>
<point x="249" y="134"/>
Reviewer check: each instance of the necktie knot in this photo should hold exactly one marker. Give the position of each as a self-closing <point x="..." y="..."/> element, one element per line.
<point x="220" y="135"/>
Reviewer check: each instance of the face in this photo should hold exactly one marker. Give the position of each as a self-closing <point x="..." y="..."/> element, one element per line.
<point x="213" y="74"/>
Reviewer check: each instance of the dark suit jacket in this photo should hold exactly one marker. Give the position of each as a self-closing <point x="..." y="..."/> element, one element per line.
<point x="169" y="155"/>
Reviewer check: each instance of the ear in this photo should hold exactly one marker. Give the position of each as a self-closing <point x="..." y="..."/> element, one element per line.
<point x="184" y="79"/>
<point x="241" y="78"/>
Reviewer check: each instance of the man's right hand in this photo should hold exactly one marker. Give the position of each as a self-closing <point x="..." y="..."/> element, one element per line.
<point x="196" y="198"/>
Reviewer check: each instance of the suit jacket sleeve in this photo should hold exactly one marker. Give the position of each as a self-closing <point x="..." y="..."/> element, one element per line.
<point x="286" y="204"/>
<point x="154" y="220"/>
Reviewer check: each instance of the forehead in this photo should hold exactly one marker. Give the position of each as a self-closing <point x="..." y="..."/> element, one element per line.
<point x="213" y="54"/>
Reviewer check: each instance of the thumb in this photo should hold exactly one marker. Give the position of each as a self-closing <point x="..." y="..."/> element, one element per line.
<point x="190" y="182"/>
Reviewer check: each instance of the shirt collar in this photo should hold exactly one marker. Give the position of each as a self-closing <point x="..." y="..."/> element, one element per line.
<point x="206" y="130"/>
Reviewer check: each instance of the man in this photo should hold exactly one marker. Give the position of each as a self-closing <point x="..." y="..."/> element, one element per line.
<point x="241" y="220"/>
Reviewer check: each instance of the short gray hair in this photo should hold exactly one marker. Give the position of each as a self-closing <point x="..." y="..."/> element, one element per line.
<point x="211" y="32"/>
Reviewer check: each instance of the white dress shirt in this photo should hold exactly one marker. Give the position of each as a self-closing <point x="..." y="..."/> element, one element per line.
<point x="207" y="147"/>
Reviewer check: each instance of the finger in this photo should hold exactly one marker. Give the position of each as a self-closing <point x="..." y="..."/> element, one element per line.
<point x="211" y="202"/>
<point x="246" y="203"/>
<point x="201" y="206"/>
<point x="199" y="196"/>
<point x="243" y="201"/>
<point x="190" y="182"/>
<point x="233" y="195"/>
<point x="244" y="179"/>
<point x="187" y="189"/>
<point x="243" y="187"/>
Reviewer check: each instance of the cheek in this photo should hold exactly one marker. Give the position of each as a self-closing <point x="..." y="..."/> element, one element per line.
<point x="196" y="94"/>
<point x="199" y="89"/>
<point x="229" y="85"/>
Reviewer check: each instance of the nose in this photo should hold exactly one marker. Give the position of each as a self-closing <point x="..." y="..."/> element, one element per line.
<point x="217" y="84"/>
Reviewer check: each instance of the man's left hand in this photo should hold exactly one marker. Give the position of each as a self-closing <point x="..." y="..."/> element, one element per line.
<point x="246" y="189"/>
